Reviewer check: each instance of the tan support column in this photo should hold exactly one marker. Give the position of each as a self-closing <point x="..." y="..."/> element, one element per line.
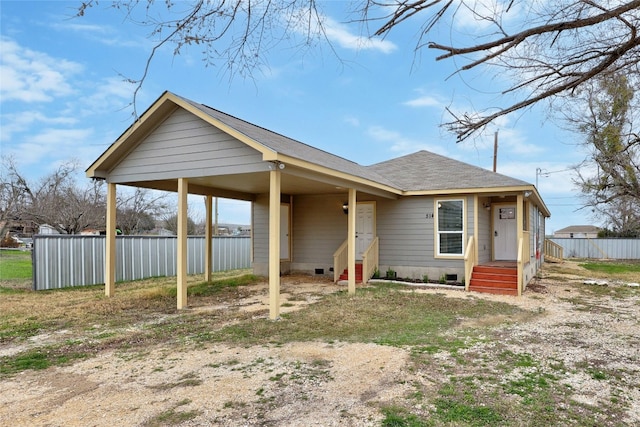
<point x="183" y="191"/>
<point x="476" y="212"/>
<point x="207" y="239"/>
<point x="110" y="246"/>
<point x="274" y="244"/>
<point x="351" y="241"/>
<point x="520" y="235"/>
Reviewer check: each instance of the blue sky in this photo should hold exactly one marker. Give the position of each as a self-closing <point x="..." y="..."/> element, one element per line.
<point x="63" y="96"/>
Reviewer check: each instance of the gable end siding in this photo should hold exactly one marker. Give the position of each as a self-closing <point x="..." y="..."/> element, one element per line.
<point x="184" y="146"/>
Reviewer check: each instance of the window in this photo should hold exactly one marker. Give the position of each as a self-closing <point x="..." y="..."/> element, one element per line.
<point x="450" y="227"/>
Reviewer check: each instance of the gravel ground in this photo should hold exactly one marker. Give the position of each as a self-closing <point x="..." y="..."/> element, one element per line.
<point x="333" y="384"/>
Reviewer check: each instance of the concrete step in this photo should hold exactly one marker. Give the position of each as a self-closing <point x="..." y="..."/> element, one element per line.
<point x="496" y="291"/>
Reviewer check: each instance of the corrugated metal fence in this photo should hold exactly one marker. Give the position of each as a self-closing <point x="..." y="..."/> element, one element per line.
<point x="61" y="261"/>
<point x="599" y="248"/>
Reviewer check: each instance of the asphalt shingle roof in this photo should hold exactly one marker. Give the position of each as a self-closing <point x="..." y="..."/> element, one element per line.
<point x="291" y="147"/>
<point x="424" y="171"/>
<point x="420" y="171"/>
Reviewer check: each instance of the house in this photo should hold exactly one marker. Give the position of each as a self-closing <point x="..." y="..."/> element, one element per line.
<point x="420" y="214"/>
<point x="578" y="231"/>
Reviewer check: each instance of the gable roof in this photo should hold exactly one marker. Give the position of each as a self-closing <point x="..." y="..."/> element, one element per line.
<point x="426" y="171"/>
<point x="290" y="147"/>
<point x="422" y="172"/>
<point x="579" y="229"/>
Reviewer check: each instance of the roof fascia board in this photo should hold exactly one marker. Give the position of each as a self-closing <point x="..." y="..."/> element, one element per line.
<point x="486" y="190"/>
<point x="302" y="164"/>
<point x="337" y="182"/>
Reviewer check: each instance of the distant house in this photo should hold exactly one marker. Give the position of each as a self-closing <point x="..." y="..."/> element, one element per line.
<point x="578" y="232"/>
<point x="47" y="229"/>
<point x="90" y="232"/>
<point x="416" y="216"/>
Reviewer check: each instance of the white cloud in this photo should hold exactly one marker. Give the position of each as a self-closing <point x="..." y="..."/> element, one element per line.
<point x="31" y="76"/>
<point x="479" y="13"/>
<point x="25" y="120"/>
<point x="340" y="34"/>
<point x="353" y="121"/>
<point x="104" y="34"/>
<point x="109" y="95"/>
<point x="424" y="101"/>
<point x="400" y="144"/>
<point x="53" y="145"/>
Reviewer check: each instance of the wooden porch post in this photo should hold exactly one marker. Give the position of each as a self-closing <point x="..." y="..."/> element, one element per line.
<point x="351" y="241"/>
<point x="207" y="239"/>
<point x="110" y="246"/>
<point x="476" y="211"/>
<point x="520" y="235"/>
<point x="183" y="188"/>
<point x="274" y="243"/>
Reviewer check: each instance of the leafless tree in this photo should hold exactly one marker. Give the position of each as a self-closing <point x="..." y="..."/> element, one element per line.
<point x="11" y="194"/>
<point x="604" y="112"/>
<point x="137" y="211"/>
<point x="56" y="199"/>
<point x="541" y="49"/>
<point x="170" y="222"/>
<point x="69" y="205"/>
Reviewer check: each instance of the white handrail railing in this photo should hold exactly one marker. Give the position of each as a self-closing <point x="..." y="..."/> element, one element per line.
<point x="340" y="260"/>
<point x="469" y="262"/>
<point x="520" y="265"/>
<point x="370" y="260"/>
<point x="553" y="252"/>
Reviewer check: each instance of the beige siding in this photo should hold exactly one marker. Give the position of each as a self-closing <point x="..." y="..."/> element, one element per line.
<point x="406" y="231"/>
<point x="319" y="228"/>
<point x="184" y="146"/>
<point x="260" y="229"/>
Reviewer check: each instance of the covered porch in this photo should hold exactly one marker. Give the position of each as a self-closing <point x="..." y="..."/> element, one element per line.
<point x="189" y="148"/>
<point x="515" y="224"/>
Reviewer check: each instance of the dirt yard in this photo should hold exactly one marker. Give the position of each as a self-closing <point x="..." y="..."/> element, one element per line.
<point x="336" y="384"/>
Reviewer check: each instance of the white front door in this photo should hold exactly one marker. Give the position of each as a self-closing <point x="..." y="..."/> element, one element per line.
<point x="505" y="234"/>
<point x="284" y="231"/>
<point x="364" y="227"/>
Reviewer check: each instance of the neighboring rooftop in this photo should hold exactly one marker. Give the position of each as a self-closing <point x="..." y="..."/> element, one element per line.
<point x="579" y="229"/>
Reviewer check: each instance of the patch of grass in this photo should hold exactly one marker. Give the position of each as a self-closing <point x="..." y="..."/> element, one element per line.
<point x="15" y="265"/>
<point x="612" y="267"/>
<point x="12" y="330"/>
<point x="453" y="412"/>
<point x="171" y="417"/>
<point x="384" y="314"/>
<point x="216" y="286"/>
<point x="395" y="416"/>
<point x="37" y="359"/>
<point x="187" y="380"/>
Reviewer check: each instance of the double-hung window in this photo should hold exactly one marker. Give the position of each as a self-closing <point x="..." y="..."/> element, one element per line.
<point x="450" y="227"/>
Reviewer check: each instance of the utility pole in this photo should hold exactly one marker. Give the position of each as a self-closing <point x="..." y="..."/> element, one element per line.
<point x="495" y="151"/>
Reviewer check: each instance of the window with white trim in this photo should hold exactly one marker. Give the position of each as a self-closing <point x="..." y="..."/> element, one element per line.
<point x="450" y="227"/>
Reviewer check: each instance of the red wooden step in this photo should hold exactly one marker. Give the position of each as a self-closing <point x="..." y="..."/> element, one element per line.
<point x="494" y="280"/>
<point x="495" y="270"/>
<point x="344" y="275"/>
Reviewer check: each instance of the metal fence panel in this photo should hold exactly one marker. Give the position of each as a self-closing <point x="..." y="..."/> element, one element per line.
<point x="599" y="248"/>
<point x="61" y="261"/>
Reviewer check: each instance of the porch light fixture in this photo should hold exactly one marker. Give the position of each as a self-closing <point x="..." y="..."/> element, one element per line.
<point x="487" y="206"/>
<point x="276" y="165"/>
<point x="345" y="208"/>
<point x="527" y="193"/>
